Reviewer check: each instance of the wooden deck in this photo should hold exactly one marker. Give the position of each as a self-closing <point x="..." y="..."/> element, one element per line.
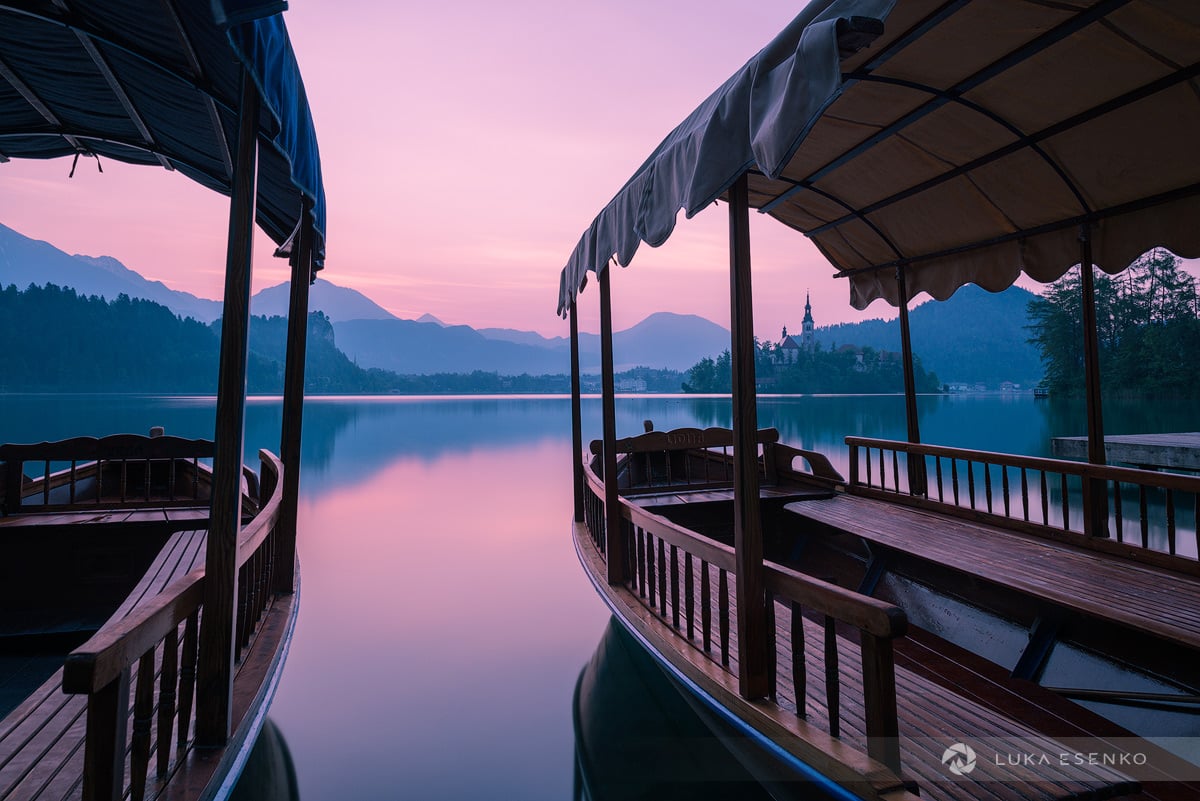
<point x="1154" y="451"/>
<point x="1138" y="596"/>
<point x="939" y="702"/>
<point x="766" y="492"/>
<point x="173" y="518"/>
<point x="41" y="741"/>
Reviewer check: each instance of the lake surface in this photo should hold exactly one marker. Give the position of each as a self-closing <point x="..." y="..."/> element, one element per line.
<point x="444" y="618"/>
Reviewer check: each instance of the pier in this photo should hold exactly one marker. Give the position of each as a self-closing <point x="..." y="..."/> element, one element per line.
<point x="1151" y="451"/>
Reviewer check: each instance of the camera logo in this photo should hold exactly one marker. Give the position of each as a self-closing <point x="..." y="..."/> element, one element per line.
<point x="959" y="759"/>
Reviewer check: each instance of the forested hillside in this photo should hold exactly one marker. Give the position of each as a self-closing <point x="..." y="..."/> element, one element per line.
<point x="974" y="336"/>
<point x="60" y="341"/>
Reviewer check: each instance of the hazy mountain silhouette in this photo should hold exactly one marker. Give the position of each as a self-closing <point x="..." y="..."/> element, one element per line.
<point x="974" y="336"/>
<point x="336" y="302"/>
<point x="25" y="261"/>
<point x="663" y="341"/>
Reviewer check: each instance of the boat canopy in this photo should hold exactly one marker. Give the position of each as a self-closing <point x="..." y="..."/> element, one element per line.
<point x="157" y="82"/>
<point x="966" y="143"/>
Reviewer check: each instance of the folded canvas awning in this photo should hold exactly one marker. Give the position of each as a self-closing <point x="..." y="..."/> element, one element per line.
<point x="969" y="142"/>
<point x="156" y="82"/>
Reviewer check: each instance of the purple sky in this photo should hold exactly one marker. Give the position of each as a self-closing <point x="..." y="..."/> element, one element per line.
<point x="466" y="146"/>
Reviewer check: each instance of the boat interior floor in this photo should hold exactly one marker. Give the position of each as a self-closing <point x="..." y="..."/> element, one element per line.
<point x="162" y="518"/>
<point x="1138" y="596"/>
<point x="41" y="740"/>
<point x="942" y="691"/>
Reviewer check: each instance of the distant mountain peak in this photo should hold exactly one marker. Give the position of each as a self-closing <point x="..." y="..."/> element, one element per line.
<point x="339" y="303"/>
<point x="429" y="318"/>
<point x="25" y="261"/>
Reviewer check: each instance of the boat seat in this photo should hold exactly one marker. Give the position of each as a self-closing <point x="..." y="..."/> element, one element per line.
<point x="41" y="741"/>
<point x="1139" y="596"/>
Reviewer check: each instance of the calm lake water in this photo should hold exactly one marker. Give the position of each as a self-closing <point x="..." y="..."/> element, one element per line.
<point x="444" y="617"/>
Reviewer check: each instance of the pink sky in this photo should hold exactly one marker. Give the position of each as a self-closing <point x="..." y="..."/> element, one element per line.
<point x="466" y="146"/>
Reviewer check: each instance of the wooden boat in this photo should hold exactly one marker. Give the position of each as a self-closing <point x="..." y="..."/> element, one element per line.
<point x="173" y="584"/>
<point x="918" y="619"/>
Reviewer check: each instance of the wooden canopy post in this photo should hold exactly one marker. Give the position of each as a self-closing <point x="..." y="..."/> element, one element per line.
<point x="214" y="672"/>
<point x="293" y="407"/>
<point x="1095" y="491"/>
<point x="747" y="519"/>
<point x="576" y="418"/>
<point x="917" y="482"/>
<point x="614" y="543"/>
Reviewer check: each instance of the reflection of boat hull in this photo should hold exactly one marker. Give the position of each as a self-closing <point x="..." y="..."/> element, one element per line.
<point x="637" y="736"/>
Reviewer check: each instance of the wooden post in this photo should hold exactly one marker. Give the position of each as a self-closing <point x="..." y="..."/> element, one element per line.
<point x="214" y="676"/>
<point x="747" y="518"/>
<point x="879" y="699"/>
<point x="614" y="544"/>
<point x="104" y="746"/>
<point x="576" y="418"/>
<point x="293" y="408"/>
<point x="917" y="481"/>
<point x="1095" y="518"/>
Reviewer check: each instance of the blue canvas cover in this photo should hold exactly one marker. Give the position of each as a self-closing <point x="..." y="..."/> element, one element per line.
<point x="153" y="82"/>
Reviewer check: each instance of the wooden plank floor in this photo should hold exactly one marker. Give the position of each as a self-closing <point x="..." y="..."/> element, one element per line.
<point x="101" y="516"/>
<point x="41" y="741"/>
<point x="1142" y="597"/>
<point x="933" y="714"/>
<point x="766" y="492"/>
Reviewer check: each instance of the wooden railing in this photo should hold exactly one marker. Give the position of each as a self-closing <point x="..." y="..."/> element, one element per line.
<point x="687" y="459"/>
<point x="877" y="622"/>
<point x="1146" y="514"/>
<point x="779" y="465"/>
<point x="157" y="644"/>
<point x="120" y="471"/>
<point x="688" y="582"/>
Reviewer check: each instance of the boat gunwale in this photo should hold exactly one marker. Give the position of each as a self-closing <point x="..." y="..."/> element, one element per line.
<point x="716" y="688"/>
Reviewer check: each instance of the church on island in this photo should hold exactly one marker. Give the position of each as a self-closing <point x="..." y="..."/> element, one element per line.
<point x="790" y="347"/>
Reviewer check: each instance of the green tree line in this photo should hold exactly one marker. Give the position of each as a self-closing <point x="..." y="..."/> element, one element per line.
<point x="61" y="341"/>
<point x="838" y="371"/>
<point x="1147" y="323"/>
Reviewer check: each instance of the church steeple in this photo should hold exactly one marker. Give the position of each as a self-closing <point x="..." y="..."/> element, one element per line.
<point x="808" y="337"/>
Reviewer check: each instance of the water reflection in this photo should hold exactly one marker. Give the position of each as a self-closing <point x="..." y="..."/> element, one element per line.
<point x="269" y="773"/>
<point x="636" y="737"/>
<point x="444" y="615"/>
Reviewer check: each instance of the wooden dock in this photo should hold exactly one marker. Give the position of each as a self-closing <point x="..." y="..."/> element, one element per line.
<point x="1150" y="451"/>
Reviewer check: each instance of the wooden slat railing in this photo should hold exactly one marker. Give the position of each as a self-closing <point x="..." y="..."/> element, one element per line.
<point x="150" y="639"/>
<point x="877" y="622"/>
<point x="683" y="459"/>
<point x="687" y="581"/>
<point x="1151" y="515"/>
<point x="114" y="472"/>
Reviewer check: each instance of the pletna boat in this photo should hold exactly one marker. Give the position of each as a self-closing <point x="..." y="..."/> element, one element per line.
<point x="164" y="566"/>
<point x="902" y="619"/>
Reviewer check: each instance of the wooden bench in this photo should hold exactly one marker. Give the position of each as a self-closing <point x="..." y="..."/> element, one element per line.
<point x="122" y="471"/>
<point x="41" y="741"/>
<point x="1139" y="596"/>
<point x="693" y="464"/>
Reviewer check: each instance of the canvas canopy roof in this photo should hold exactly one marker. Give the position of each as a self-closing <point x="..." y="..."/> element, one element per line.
<point x="970" y="141"/>
<point x="157" y="82"/>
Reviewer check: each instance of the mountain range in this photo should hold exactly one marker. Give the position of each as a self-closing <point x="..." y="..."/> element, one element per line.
<point x="973" y="337"/>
